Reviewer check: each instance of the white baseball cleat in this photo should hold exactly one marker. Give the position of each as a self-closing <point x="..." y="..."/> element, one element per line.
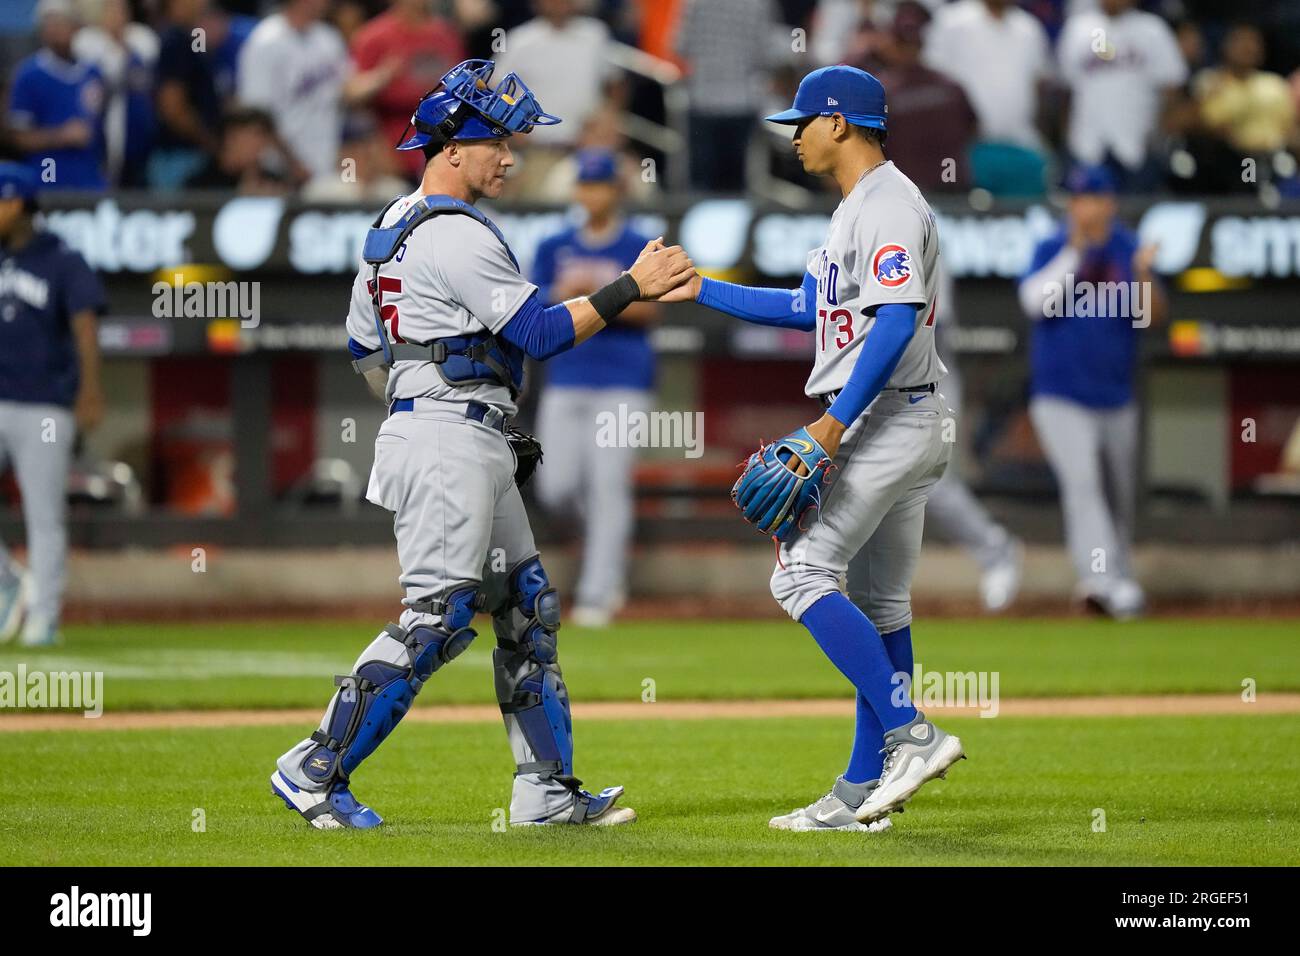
<point x="835" y="811"/>
<point x="332" y="809"/>
<point x="1122" y="600"/>
<point x="1126" y="600"/>
<point x="594" y="618"/>
<point x="40" y="632"/>
<point x="14" y="591"/>
<point x="587" y="809"/>
<point x="915" y="754"/>
<point x="1000" y="584"/>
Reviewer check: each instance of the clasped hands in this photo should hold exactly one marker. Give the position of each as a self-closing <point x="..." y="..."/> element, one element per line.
<point x="666" y="274"/>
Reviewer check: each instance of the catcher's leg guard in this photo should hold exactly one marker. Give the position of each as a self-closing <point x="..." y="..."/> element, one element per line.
<point x="535" y="706"/>
<point x="530" y="688"/>
<point x="377" y="694"/>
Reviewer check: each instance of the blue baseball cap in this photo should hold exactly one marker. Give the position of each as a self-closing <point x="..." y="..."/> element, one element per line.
<point x="855" y="93"/>
<point x="17" y="181"/>
<point x="596" y="166"/>
<point x="1085" y="179"/>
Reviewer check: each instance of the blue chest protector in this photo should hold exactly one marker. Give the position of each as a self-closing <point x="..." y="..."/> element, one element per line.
<point x="476" y="359"/>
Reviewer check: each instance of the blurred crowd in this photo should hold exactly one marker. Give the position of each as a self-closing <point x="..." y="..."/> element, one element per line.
<point x="309" y="96"/>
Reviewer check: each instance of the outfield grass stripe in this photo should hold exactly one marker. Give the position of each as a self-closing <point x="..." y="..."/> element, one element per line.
<point x="1170" y="705"/>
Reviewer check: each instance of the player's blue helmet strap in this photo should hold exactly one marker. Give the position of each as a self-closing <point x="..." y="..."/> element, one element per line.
<point x="855" y="93"/>
<point x="465" y="105"/>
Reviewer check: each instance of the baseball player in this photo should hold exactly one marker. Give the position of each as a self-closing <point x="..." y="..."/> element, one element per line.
<point x="868" y="297"/>
<point x="618" y="368"/>
<point x="440" y="323"/>
<point x="1083" y="363"/>
<point x="50" y="300"/>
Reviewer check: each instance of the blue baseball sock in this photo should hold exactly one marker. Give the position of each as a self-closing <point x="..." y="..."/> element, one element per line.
<point x="866" y="761"/>
<point x="898" y="644"/>
<point x="853" y="644"/>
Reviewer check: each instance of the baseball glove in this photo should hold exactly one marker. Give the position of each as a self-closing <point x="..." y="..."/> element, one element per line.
<point x="771" y="494"/>
<point x="528" y="454"/>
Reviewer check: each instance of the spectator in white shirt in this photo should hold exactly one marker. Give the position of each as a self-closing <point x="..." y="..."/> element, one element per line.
<point x="565" y="58"/>
<point x="125" y="53"/>
<point x="1122" y="67"/>
<point x="1001" y="57"/>
<point x="296" y="68"/>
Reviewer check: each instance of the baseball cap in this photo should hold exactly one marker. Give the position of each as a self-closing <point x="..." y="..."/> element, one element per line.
<point x="17" y="181"/>
<point x="596" y="166"/>
<point x="855" y="93"/>
<point x="1084" y="179"/>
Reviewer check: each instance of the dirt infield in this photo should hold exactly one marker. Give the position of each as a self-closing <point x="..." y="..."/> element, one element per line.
<point x="1168" y="705"/>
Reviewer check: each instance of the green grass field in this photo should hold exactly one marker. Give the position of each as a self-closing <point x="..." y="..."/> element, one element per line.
<point x="1194" y="790"/>
<point x="1174" y="791"/>
<point x="286" y="664"/>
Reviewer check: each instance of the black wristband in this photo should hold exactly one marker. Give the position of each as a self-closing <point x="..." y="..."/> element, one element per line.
<point x="615" y="297"/>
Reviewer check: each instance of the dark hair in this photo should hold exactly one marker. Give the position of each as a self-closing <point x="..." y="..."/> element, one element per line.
<point x="873" y="135"/>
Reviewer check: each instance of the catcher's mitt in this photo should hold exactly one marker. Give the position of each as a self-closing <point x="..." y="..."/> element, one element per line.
<point x="770" y="493"/>
<point x="528" y="454"/>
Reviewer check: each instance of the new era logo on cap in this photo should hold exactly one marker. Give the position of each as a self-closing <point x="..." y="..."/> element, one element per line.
<point x="832" y="101"/>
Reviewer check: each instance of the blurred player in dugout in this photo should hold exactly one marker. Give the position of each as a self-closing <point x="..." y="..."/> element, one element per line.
<point x="50" y="389"/>
<point x="1083" y="362"/>
<point x="614" y="368"/>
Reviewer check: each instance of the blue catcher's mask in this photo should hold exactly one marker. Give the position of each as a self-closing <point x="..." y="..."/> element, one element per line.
<point x="465" y="106"/>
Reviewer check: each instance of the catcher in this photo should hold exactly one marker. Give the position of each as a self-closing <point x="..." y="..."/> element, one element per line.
<point x="439" y="324"/>
<point x="846" y="495"/>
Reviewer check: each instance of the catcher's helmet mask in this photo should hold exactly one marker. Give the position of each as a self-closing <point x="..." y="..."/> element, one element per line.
<point x="464" y="106"/>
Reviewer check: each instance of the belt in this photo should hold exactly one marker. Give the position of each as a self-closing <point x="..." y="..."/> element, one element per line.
<point x="828" y="397"/>
<point x="479" y="412"/>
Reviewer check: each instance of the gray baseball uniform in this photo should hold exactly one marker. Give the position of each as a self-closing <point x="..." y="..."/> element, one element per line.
<point x="595" y="480"/>
<point x="1093" y="454"/>
<point x="38" y="441"/>
<point x="459" y="519"/>
<point x="883" y="247"/>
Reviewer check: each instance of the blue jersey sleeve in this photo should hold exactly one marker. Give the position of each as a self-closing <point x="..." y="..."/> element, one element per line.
<point x="540" y="332"/>
<point x="784" y="308"/>
<point x="878" y="357"/>
<point x="25" y="98"/>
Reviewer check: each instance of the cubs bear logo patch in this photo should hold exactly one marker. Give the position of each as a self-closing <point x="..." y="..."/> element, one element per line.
<point x="892" y="265"/>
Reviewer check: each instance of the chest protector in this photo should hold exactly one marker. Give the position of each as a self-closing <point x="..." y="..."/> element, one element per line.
<point x="479" y="358"/>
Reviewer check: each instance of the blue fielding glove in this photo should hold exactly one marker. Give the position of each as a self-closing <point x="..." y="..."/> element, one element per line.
<point x="770" y="495"/>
